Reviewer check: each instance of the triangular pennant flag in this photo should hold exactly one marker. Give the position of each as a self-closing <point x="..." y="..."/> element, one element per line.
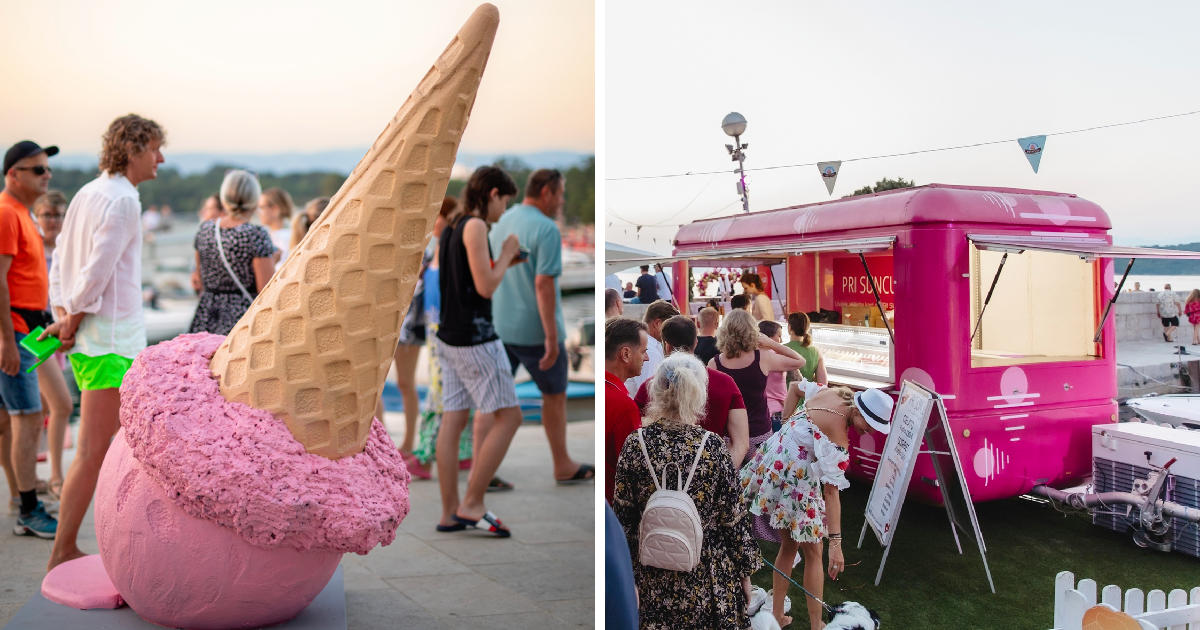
<point x="829" y="172"/>
<point x="1033" y="147"/>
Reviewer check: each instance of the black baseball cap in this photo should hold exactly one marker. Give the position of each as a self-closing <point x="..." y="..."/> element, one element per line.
<point x="24" y="149"/>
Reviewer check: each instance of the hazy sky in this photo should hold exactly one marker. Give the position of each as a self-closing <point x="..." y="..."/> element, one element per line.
<point x="237" y="76"/>
<point x="829" y="81"/>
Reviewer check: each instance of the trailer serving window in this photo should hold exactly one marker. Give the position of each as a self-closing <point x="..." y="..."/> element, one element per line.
<point x="1042" y="307"/>
<point x="1044" y="315"/>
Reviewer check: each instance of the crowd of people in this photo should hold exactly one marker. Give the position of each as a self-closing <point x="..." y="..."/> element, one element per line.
<point x="760" y="438"/>
<point x="73" y="269"/>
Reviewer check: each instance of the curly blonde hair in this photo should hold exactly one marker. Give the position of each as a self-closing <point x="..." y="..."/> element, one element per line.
<point x="738" y="334"/>
<point x="678" y="390"/>
<point x="127" y="136"/>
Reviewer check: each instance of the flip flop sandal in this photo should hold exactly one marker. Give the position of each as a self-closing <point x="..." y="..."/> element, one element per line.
<point x="54" y="489"/>
<point x="457" y="527"/>
<point x="586" y="473"/>
<point x="499" y="485"/>
<point x="489" y="523"/>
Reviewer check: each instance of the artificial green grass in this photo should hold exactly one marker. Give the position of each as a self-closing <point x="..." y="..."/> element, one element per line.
<point x="927" y="584"/>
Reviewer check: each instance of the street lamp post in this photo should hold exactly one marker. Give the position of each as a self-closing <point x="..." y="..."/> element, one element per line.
<point x="735" y="125"/>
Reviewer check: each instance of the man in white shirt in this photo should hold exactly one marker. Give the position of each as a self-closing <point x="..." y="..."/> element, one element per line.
<point x="656" y="314"/>
<point x="95" y="289"/>
<point x="1168" y="310"/>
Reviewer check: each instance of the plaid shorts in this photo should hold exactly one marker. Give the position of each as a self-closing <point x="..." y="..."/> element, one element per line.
<point x="476" y="377"/>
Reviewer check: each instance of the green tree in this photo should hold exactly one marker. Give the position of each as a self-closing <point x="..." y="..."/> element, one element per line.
<point x="882" y="185"/>
<point x="580" y="205"/>
<point x="185" y="194"/>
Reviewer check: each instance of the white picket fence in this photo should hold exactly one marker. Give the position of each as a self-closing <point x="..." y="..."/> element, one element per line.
<point x="1153" y="611"/>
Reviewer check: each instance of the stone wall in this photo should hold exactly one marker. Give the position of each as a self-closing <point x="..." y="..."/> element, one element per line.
<point x="1137" y="319"/>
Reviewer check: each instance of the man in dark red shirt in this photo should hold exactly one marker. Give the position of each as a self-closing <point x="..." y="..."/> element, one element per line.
<point x="624" y="353"/>
<point x="725" y="414"/>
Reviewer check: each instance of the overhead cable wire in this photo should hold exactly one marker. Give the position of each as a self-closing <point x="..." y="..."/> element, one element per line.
<point x="906" y="153"/>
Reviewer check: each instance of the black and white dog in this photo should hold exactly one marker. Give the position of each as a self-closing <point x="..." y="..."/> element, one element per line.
<point x="852" y="616"/>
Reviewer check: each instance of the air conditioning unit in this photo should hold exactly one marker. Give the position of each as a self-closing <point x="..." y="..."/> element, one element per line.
<point x="1119" y="455"/>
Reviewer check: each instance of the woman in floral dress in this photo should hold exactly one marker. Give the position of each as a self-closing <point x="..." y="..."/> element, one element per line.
<point x="795" y="478"/>
<point x="715" y="593"/>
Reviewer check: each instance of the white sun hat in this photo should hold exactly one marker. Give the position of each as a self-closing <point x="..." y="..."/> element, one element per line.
<point x="876" y="408"/>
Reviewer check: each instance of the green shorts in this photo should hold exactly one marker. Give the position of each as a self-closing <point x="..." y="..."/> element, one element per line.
<point x="102" y="372"/>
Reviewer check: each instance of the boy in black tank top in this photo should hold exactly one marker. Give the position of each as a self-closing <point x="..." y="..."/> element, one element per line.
<point x="476" y="373"/>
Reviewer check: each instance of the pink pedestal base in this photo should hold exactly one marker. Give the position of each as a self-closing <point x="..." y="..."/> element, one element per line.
<point x="180" y="571"/>
<point x="81" y="583"/>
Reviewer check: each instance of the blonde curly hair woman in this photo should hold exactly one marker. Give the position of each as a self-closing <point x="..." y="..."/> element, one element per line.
<point x="714" y="594"/>
<point x="748" y="356"/>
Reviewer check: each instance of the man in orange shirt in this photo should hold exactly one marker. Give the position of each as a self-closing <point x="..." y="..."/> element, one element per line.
<point x="24" y="295"/>
<point x="625" y="342"/>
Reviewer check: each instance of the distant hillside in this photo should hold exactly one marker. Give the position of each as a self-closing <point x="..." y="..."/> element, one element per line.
<point x="1159" y="267"/>
<point x="336" y="161"/>
<point x="186" y="192"/>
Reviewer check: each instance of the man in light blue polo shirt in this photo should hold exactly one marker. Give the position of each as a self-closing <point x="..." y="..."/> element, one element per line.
<point x="527" y="310"/>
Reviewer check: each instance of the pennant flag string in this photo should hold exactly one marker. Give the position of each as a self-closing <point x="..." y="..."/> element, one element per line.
<point x="1033" y="146"/>
<point x="829" y="172"/>
<point x="890" y="155"/>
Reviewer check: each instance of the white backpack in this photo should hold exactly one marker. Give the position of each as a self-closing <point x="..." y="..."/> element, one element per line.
<point x="671" y="535"/>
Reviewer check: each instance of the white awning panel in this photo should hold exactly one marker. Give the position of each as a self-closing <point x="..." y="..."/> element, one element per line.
<point x="1086" y="248"/>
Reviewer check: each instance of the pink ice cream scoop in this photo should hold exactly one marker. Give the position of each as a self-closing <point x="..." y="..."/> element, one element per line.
<point x="210" y="515"/>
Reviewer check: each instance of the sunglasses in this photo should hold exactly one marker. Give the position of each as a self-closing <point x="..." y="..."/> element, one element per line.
<point x="38" y="170"/>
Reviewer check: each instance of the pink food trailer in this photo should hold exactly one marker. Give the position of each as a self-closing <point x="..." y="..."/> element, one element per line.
<point x="995" y="298"/>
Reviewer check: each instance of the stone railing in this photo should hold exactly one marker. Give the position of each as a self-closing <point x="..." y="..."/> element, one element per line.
<point x="1137" y="319"/>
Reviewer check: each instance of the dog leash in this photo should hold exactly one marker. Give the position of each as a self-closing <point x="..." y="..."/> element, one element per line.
<point x="827" y="607"/>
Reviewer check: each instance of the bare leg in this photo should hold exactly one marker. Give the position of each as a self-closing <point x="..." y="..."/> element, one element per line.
<point x="406" y="379"/>
<point x="99" y="421"/>
<point x="779" y="584"/>
<point x="489" y="453"/>
<point x="1195" y="334"/>
<point x="814" y="581"/>
<point x="451" y="430"/>
<point x="483" y="425"/>
<point x="554" y="421"/>
<point x="26" y="429"/>
<point x="6" y="442"/>
<point x="58" y="400"/>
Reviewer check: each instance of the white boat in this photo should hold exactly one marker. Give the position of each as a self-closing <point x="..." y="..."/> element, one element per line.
<point x="1174" y="409"/>
<point x="579" y="271"/>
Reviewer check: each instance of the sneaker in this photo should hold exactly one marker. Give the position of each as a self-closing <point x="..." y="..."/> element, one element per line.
<point x="38" y="523"/>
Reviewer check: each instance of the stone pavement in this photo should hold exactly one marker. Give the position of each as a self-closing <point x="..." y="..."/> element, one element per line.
<point x="542" y="577"/>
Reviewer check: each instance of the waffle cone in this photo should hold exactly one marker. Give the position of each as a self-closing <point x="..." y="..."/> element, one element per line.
<point x="315" y="346"/>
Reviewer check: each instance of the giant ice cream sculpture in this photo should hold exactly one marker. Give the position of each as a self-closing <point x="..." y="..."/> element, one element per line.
<point x="247" y="465"/>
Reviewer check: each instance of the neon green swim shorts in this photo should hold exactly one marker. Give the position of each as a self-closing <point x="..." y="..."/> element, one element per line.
<point x="102" y="372"/>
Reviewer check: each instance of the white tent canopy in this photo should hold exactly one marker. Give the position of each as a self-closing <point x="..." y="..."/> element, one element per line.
<point x="615" y="254"/>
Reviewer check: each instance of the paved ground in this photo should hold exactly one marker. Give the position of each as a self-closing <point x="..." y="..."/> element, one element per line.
<point x="542" y="577"/>
<point x="1140" y="353"/>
